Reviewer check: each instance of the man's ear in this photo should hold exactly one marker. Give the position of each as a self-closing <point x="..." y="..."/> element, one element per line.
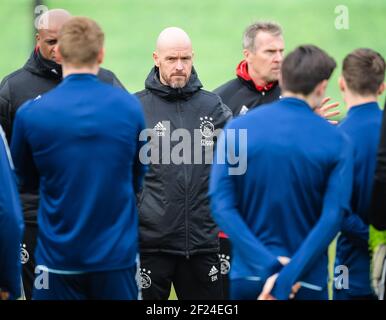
<point x="37" y="37"/>
<point x="156" y="59"/>
<point x="321" y="88"/>
<point x="382" y="88"/>
<point x="101" y="56"/>
<point x="342" y="84"/>
<point x="247" y="55"/>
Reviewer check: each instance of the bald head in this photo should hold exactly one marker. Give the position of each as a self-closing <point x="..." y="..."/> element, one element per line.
<point x="174" y="57"/>
<point x="48" y="26"/>
<point x="173" y="37"/>
<point x="53" y="19"/>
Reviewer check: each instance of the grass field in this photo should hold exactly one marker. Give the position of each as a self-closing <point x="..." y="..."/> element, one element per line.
<point x="215" y="26"/>
<point x="132" y="26"/>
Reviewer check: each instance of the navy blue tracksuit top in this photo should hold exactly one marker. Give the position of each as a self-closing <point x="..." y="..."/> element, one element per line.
<point x="11" y="224"/>
<point x="292" y="198"/>
<point x="80" y="142"/>
<point x="363" y="126"/>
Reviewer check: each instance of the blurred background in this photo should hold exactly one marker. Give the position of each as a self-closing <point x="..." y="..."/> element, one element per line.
<point x="215" y="26"/>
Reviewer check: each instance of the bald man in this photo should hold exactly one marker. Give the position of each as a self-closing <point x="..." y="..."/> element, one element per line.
<point x="178" y="238"/>
<point x="41" y="73"/>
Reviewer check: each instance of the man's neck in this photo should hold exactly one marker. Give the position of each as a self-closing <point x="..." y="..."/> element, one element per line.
<point x="307" y="99"/>
<point x="352" y="100"/>
<point x="69" y="70"/>
<point x="256" y="78"/>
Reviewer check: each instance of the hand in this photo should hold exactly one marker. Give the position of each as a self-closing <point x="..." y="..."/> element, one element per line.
<point x="283" y="260"/>
<point x="265" y="294"/>
<point x="324" y="112"/>
<point x="4" y="295"/>
<point x="269" y="284"/>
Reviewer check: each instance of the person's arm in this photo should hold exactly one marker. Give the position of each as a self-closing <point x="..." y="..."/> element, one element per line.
<point x="223" y="201"/>
<point x="117" y="83"/>
<point x="335" y="202"/>
<point x="5" y="110"/>
<point x="378" y="205"/>
<point x="139" y="169"/>
<point x="11" y="228"/>
<point x="27" y="174"/>
<point x="224" y="114"/>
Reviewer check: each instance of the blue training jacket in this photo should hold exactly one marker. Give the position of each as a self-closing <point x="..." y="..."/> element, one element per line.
<point x="80" y="141"/>
<point x="363" y="126"/>
<point x="291" y="200"/>
<point x="11" y="225"/>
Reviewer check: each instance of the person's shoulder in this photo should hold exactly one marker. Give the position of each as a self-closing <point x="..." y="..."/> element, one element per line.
<point x="264" y="109"/>
<point x="121" y="95"/>
<point x="210" y="97"/>
<point x="228" y="87"/>
<point x="25" y="108"/>
<point x="106" y="75"/>
<point x="214" y="101"/>
<point x="143" y="93"/>
<point x="109" y="77"/>
<point x="14" y="78"/>
<point x="334" y="135"/>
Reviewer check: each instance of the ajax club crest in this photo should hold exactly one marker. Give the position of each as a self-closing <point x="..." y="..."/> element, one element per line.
<point x="207" y="131"/>
<point x="24" y="255"/>
<point x="145" y="278"/>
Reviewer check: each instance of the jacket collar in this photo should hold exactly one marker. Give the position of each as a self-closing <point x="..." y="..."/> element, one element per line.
<point x="242" y="73"/>
<point x="154" y="84"/>
<point x="45" y="68"/>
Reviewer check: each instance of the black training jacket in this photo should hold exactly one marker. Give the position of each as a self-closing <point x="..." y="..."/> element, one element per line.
<point x="173" y="206"/>
<point x="241" y="95"/>
<point x="36" y="77"/>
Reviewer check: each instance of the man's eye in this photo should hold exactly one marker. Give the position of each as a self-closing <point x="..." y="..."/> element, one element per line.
<point x="51" y="42"/>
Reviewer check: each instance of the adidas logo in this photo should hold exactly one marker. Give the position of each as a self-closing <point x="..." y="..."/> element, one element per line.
<point x="160" y="129"/>
<point x="213" y="271"/>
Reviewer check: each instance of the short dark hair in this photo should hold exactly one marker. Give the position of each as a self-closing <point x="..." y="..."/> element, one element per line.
<point x="304" y="68"/>
<point x="364" y="71"/>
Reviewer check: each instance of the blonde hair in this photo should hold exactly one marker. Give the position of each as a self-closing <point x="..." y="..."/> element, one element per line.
<point x="80" y="41"/>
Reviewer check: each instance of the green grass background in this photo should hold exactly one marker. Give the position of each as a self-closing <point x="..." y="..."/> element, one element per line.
<point x="215" y="27"/>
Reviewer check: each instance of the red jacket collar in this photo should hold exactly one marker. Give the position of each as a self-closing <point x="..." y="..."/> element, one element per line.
<point x="242" y="72"/>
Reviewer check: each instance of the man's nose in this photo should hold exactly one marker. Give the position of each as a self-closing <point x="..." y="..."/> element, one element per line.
<point x="179" y="65"/>
<point x="278" y="56"/>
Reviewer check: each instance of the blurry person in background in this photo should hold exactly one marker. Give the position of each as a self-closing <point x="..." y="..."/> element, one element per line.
<point x="79" y="145"/>
<point x="41" y="73"/>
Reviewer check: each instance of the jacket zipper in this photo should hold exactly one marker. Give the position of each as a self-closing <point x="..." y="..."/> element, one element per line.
<point x="186" y="193"/>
